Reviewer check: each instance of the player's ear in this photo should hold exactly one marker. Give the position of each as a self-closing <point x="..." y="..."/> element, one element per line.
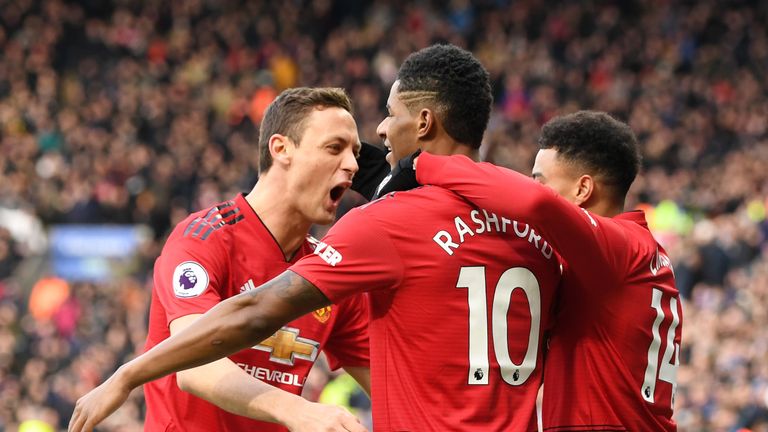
<point x="281" y="149"/>
<point x="585" y="186"/>
<point x="426" y="123"/>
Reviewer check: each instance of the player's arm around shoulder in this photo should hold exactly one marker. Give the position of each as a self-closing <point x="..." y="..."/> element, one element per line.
<point x="577" y="235"/>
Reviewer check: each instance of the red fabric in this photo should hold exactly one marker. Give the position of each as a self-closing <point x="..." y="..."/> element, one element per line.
<point x="233" y="255"/>
<point x="420" y="295"/>
<point x="599" y="349"/>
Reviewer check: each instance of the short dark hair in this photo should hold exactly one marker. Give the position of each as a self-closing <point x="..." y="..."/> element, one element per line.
<point x="597" y="142"/>
<point x="457" y="83"/>
<point x="287" y="115"/>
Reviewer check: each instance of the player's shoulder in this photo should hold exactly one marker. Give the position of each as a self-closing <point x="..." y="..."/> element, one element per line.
<point x="207" y="228"/>
<point x="634" y="227"/>
<point x="398" y="209"/>
<point x="429" y="197"/>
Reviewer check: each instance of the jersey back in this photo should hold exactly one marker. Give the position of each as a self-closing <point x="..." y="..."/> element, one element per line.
<point x="616" y="339"/>
<point x="615" y="347"/>
<point x="460" y="301"/>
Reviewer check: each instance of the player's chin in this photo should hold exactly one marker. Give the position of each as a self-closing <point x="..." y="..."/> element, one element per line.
<point x="390" y="159"/>
<point x="326" y="218"/>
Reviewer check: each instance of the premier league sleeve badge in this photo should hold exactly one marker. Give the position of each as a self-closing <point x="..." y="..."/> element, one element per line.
<point x="189" y="280"/>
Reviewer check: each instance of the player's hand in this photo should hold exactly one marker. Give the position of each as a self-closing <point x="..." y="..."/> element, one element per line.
<point x="98" y="404"/>
<point x="373" y="168"/>
<point x="317" y="417"/>
<point x="402" y="177"/>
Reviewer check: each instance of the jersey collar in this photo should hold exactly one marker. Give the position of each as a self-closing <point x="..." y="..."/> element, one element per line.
<point x="636" y="216"/>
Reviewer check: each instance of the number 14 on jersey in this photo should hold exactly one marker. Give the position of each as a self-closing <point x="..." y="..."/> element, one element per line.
<point x="667" y="371"/>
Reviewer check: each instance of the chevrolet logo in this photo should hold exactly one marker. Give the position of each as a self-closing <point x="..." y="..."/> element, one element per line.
<point x="285" y="346"/>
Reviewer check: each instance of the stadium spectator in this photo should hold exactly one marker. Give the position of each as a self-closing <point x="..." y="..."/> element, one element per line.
<point x="123" y="112"/>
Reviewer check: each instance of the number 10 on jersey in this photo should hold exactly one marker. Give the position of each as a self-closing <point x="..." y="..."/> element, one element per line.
<point x="473" y="279"/>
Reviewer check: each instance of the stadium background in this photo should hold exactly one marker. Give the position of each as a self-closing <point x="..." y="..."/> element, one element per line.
<point x="133" y="113"/>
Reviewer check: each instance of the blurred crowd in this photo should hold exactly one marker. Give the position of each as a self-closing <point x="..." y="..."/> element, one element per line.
<point x="139" y="112"/>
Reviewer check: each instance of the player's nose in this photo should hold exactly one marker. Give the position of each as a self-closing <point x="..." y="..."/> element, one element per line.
<point x="381" y="129"/>
<point x="349" y="163"/>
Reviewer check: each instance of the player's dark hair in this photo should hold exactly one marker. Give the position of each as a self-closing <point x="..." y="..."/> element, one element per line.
<point x="598" y="143"/>
<point x="287" y="115"/>
<point x="456" y="86"/>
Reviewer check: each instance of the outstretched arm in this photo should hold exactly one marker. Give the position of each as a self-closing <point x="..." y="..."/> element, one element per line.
<point x="226" y="385"/>
<point x="574" y="233"/>
<point x="230" y="326"/>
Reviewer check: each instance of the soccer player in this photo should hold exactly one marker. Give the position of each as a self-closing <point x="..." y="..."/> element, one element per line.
<point x="407" y="110"/>
<point x="614" y="349"/>
<point x="308" y="141"/>
<point x="460" y="297"/>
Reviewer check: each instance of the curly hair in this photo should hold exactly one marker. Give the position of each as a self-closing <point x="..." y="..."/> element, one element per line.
<point x="597" y="142"/>
<point x="456" y="86"/>
<point x="287" y="115"/>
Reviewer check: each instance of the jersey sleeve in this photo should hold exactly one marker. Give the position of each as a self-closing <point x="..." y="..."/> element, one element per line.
<point x="356" y="255"/>
<point x="348" y="343"/>
<point x="579" y="237"/>
<point x="187" y="278"/>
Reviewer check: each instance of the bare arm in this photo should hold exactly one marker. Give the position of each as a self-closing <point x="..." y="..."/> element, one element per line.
<point x="230" y="326"/>
<point x="229" y="387"/>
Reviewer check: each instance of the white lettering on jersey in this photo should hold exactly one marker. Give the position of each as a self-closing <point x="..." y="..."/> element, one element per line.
<point x="328" y="254"/>
<point x="444" y="240"/>
<point x="660" y="260"/>
<point x="265" y="374"/>
<point x="488" y="223"/>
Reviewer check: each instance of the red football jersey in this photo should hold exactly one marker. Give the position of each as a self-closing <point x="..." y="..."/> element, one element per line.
<point x="460" y="300"/>
<point x="613" y="352"/>
<point x="218" y="253"/>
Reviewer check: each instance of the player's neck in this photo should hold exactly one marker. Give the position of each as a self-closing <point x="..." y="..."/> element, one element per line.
<point x="606" y="208"/>
<point x="287" y="227"/>
<point x="448" y="147"/>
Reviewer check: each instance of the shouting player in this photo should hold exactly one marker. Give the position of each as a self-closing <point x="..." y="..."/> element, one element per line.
<point x="614" y="350"/>
<point x="308" y="144"/>
<point x="456" y="333"/>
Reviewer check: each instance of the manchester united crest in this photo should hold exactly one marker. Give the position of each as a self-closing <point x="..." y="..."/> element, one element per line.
<point x="322" y="314"/>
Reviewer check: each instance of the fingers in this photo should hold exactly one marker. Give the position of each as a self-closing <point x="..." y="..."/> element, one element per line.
<point x="74" y="422"/>
<point x="78" y="424"/>
<point x="81" y="421"/>
<point x="352" y="424"/>
<point x="330" y="419"/>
